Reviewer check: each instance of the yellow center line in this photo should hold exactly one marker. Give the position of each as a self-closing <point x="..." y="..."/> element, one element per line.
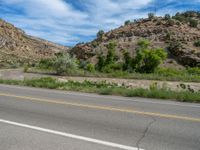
<point x="102" y="107"/>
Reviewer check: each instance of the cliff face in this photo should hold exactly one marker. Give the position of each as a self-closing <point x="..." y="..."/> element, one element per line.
<point x="177" y="37"/>
<point x="17" y="48"/>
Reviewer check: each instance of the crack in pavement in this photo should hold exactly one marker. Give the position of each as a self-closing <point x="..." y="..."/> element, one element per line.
<point x="145" y="132"/>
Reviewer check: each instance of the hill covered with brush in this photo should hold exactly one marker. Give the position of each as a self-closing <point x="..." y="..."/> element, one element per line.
<point x="17" y="48"/>
<point x="179" y="35"/>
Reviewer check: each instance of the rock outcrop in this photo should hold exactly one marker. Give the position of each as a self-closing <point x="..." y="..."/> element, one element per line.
<point x="162" y="32"/>
<point x="17" y="48"/>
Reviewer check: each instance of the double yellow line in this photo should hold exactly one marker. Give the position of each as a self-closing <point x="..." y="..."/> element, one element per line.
<point x="101" y="107"/>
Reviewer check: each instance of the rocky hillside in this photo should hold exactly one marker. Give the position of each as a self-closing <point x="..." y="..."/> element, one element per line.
<point x="176" y="34"/>
<point x="17" y="48"/>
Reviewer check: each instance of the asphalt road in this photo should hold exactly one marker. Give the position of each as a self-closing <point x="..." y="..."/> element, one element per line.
<point x="40" y="119"/>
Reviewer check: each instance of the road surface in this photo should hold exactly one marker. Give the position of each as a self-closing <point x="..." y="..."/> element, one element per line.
<point x="41" y="119"/>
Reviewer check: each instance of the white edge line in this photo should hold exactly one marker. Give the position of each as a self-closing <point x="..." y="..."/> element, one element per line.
<point x="109" y="97"/>
<point x="105" y="143"/>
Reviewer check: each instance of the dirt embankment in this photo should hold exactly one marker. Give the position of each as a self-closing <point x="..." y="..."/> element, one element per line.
<point x="18" y="74"/>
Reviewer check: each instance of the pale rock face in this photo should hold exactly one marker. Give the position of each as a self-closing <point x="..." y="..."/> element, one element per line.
<point x="18" y="47"/>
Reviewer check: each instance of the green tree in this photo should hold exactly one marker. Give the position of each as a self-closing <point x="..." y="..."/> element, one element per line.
<point x="127" y="61"/>
<point x="101" y="62"/>
<point x="111" y="56"/>
<point x="148" y="60"/>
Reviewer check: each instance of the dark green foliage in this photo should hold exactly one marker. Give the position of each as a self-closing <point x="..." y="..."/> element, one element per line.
<point x="111" y="56"/>
<point x="101" y="62"/>
<point x="127" y="22"/>
<point x="83" y="64"/>
<point x="127" y="65"/>
<point x="167" y="16"/>
<point x="108" y="63"/>
<point x="197" y="43"/>
<point x="188" y="17"/>
<point x="151" y="16"/>
<point x="100" y="34"/>
<point x="180" y="18"/>
<point x="191" y="14"/>
<point x="168" y="36"/>
<point x="173" y="46"/>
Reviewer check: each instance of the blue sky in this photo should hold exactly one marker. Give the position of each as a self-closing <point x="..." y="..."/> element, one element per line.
<point x="71" y="21"/>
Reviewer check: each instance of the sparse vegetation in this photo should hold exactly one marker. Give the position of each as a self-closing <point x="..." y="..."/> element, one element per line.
<point x="188" y="17"/>
<point x="109" y="89"/>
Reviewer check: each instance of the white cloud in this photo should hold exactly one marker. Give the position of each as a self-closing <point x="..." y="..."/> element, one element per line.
<point x="60" y="21"/>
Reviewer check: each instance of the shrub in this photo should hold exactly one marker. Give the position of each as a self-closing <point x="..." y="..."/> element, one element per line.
<point x="193" y="23"/>
<point x="148" y="60"/>
<point x="171" y="22"/>
<point x="83" y="64"/>
<point x="143" y="43"/>
<point x="151" y="16"/>
<point x="100" y="34"/>
<point x="47" y="63"/>
<point x="112" y="67"/>
<point x="127" y="22"/>
<point x="127" y="61"/>
<point x="90" y="67"/>
<point x="174" y="46"/>
<point x="111" y="56"/>
<point x="197" y="43"/>
<point x="180" y="18"/>
<point x="101" y="61"/>
<point x="167" y="16"/>
<point x="66" y="64"/>
<point x="26" y="68"/>
<point x="194" y="71"/>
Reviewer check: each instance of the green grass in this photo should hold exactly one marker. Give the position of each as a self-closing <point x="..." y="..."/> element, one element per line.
<point x="162" y="74"/>
<point x="108" y="89"/>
